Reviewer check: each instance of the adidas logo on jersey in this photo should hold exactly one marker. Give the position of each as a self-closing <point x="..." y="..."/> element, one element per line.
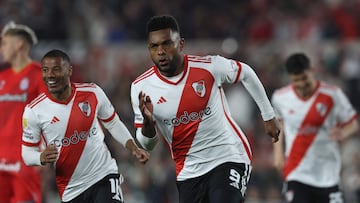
<point x="161" y="100"/>
<point x="54" y="120"/>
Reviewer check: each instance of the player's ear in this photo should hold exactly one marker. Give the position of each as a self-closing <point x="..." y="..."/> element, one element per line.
<point x="70" y="70"/>
<point x="182" y="44"/>
<point x="19" y="43"/>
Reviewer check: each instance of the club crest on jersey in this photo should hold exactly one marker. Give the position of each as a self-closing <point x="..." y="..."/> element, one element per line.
<point x="321" y="108"/>
<point x="199" y="88"/>
<point x="85" y="108"/>
<point x="24" y="84"/>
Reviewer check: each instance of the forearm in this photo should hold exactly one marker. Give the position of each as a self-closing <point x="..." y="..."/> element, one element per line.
<point x="255" y="88"/>
<point x="118" y="130"/>
<point x="31" y="156"/>
<point x="349" y="129"/>
<point x="148" y="129"/>
<point x="147" y="142"/>
<point x="131" y="145"/>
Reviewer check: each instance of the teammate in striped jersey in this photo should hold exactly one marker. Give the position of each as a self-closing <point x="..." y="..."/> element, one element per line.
<point x="181" y="99"/>
<point x="20" y="83"/>
<point x="314" y="117"/>
<point x="69" y="118"/>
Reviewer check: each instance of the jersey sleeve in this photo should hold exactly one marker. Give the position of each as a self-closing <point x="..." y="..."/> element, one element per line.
<point x="344" y="109"/>
<point x="31" y="130"/>
<point x="226" y="70"/>
<point x="275" y="103"/>
<point x="138" y="118"/>
<point x="106" y="111"/>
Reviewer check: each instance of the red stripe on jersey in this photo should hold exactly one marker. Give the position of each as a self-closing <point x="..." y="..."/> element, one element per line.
<point x="240" y="135"/>
<point x="37" y="100"/>
<point x="85" y="85"/>
<point x="349" y="121"/>
<point x="198" y="59"/>
<point x="145" y="75"/>
<point x="138" y="125"/>
<point x="238" y="72"/>
<point x="191" y="103"/>
<point x="29" y="144"/>
<point x="79" y="123"/>
<point x="110" y="118"/>
<point x="308" y="130"/>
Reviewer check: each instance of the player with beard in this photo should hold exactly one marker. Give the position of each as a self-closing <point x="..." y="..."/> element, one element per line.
<point x="181" y="99"/>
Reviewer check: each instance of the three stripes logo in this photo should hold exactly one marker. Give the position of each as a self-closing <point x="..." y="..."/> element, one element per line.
<point x="54" y="120"/>
<point x="161" y="100"/>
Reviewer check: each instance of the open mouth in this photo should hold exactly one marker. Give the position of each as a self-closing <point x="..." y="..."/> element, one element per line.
<point x="51" y="83"/>
<point x="163" y="62"/>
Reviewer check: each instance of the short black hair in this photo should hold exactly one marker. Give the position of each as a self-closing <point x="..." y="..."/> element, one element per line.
<point x="297" y="63"/>
<point x="162" y="22"/>
<point x="57" y="53"/>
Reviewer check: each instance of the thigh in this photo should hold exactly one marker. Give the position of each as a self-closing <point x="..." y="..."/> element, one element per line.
<point x="108" y="190"/>
<point x="329" y="195"/>
<point x="227" y="183"/>
<point x="296" y="192"/>
<point x="6" y="191"/>
<point x="192" y="190"/>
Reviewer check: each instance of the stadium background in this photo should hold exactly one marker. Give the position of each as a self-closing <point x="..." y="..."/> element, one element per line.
<point x="106" y="40"/>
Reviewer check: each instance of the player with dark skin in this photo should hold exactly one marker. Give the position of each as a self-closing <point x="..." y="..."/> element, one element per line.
<point x="165" y="48"/>
<point x="56" y="74"/>
<point x="212" y="155"/>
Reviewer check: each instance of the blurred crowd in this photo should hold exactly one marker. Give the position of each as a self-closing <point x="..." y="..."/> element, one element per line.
<point x="106" y="40"/>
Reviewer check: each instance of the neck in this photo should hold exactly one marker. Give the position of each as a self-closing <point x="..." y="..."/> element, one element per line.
<point x="63" y="94"/>
<point x="179" y="67"/>
<point x="306" y="94"/>
<point x="20" y="62"/>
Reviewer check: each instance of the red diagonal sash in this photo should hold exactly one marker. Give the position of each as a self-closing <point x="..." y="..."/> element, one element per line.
<point x="191" y="101"/>
<point x="78" y="123"/>
<point x="314" y="120"/>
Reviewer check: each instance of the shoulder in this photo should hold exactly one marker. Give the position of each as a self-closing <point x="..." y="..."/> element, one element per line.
<point x="34" y="68"/>
<point x="329" y="89"/>
<point x="283" y="91"/>
<point x="148" y="73"/>
<point x="327" y="86"/>
<point x="205" y="61"/>
<point x="86" y="86"/>
<point x="35" y="65"/>
<point x="37" y="101"/>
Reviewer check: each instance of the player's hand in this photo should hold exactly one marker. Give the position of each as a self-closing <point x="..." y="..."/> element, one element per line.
<point x="336" y="134"/>
<point x="272" y="129"/>
<point x="142" y="155"/>
<point x="146" y="107"/>
<point x="49" y="155"/>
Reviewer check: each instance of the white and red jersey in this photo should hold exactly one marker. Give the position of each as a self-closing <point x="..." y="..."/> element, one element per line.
<point x="73" y="127"/>
<point x="311" y="156"/>
<point x="16" y="90"/>
<point x="193" y="115"/>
